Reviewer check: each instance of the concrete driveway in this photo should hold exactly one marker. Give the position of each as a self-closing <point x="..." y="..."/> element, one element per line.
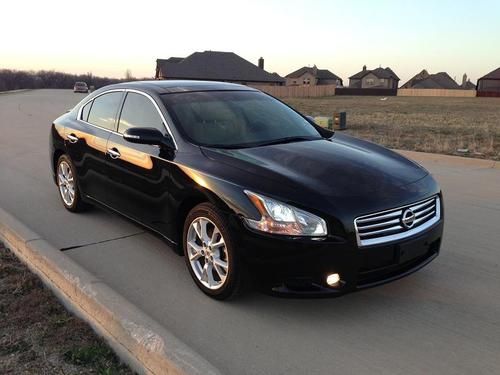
<point x="444" y="319"/>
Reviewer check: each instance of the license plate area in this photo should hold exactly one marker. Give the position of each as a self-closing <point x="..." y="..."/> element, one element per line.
<point x="409" y="251"/>
<point x="390" y="256"/>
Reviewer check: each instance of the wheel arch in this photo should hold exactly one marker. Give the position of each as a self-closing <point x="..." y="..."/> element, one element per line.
<point x="191" y="199"/>
<point x="55" y="157"/>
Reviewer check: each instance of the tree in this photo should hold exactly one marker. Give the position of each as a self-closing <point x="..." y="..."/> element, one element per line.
<point x="18" y="79"/>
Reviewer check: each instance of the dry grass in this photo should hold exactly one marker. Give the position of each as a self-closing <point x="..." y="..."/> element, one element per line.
<point x="429" y="124"/>
<point x="38" y="336"/>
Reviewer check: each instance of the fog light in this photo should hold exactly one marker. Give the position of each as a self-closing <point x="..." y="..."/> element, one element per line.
<point x="333" y="279"/>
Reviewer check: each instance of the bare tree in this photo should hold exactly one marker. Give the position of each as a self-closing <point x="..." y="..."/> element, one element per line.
<point x="128" y="75"/>
<point x="18" y="79"/>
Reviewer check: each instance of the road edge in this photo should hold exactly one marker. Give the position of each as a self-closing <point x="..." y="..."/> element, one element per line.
<point x="14" y="91"/>
<point x="142" y="343"/>
<point x="450" y="160"/>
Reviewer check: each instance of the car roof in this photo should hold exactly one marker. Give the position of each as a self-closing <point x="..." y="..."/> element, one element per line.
<point x="173" y="86"/>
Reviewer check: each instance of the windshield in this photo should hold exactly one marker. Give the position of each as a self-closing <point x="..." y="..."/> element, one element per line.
<point x="234" y="119"/>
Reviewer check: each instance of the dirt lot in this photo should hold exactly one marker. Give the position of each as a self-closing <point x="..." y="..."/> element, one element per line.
<point x="38" y="336"/>
<point x="430" y="124"/>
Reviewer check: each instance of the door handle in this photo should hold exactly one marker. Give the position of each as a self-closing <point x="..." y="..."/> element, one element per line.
<point x="114" y="153"/>
<point x="72" y="138"/>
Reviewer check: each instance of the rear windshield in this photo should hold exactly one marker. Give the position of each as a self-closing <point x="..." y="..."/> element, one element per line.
<point x="80" y="84"/>
<point x="235" y="118"/>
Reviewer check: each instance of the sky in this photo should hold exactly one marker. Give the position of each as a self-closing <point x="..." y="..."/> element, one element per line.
<point x="108" y="37"/>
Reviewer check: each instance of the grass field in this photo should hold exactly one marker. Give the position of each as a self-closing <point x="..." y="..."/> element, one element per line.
<point x="37" y="334"/>
<point x="429" y="124"/>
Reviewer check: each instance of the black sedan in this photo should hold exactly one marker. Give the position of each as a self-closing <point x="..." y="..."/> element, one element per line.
<point x="246" y="188"/>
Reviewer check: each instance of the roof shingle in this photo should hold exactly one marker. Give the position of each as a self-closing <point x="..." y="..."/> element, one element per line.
<point x="424" y="80"/>
<point x="214" y="65"/>
<point x="379" y="73"/>
<point x="320" y="73"/>
<point x="495" y="74"/>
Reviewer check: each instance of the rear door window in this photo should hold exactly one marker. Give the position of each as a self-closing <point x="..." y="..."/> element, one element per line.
<point x="104" y="110"/>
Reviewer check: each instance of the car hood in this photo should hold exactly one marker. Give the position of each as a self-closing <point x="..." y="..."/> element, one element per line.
<point x="343" y="166"/>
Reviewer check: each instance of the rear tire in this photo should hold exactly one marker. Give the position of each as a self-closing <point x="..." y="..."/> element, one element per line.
<point x="210" y="253"/>
<point x="67" y="185"/>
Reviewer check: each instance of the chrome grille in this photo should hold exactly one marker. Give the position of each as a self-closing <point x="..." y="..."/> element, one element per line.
<point x="397" y="223"/>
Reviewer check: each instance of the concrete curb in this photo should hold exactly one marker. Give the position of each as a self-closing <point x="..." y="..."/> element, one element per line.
<point x="139" y="341"/>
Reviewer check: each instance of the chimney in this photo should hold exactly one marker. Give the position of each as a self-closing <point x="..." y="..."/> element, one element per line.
<point x="261" y="63"/>
<point x="364" y="68"/>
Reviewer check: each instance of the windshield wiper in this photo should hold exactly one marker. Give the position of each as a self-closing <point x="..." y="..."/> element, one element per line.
<point x="265" y="143"/>
<point x="288" y="140"/>
<point x="230" y="146"/>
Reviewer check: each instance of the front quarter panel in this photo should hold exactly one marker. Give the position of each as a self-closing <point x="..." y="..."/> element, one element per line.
<point x="189" y="186"/>
<point x="56" y="142"/>
<point x="227" y="196"/>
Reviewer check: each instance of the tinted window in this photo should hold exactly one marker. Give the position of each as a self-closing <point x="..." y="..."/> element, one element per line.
<point x="85" y="111"/>
<point x="139" y="111"/>
<point x="235" y="118"/>
<point x="103" y="111"/>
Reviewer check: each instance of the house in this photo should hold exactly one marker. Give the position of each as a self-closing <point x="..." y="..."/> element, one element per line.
<point x="489" y="85"/>
<point x="307" y="76"/>
<point x="216" y="66"/>
<point x="380" y="78"/>
<point x="467" y="84"/>
<point x="424" y="80"/>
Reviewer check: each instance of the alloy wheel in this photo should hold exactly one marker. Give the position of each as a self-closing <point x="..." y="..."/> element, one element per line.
<point x="207" y="252"/>
<point x="66" y="183"/>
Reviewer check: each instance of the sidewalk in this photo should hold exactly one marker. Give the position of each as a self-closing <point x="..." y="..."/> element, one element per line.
<point x="450" y="160"/>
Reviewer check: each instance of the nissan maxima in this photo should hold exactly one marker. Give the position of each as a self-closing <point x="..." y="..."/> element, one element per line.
<point x="247" y="188"/>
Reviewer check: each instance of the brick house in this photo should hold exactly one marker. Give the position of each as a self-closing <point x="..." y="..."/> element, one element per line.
<point x="307" y="76"/>
<point x="216" y="66"/>
<point x="380" y="78"/>
<point x="489" y="85"/>
<point x="424" y="80"/>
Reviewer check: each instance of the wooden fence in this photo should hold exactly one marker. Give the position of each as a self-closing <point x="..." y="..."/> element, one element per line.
<point x="330" y="90"/>
<point x="298" y="91"/>
<point x="488" y="94"/>
<point x="437" y="92"/>
<point x="354" y="91"/>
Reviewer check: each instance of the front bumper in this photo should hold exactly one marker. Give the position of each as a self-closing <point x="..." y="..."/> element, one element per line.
<point x="297" y="267"/>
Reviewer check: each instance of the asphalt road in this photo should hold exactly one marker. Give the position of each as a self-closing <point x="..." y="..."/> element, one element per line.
<point x="444" y="319"/>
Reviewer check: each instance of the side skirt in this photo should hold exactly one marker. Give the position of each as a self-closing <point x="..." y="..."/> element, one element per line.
<point x="172" y="243"/>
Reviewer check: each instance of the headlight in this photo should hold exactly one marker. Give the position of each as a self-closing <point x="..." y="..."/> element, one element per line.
<point x="280" y="218"/>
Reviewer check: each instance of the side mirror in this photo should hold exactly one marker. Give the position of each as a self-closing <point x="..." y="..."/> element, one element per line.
<point x="310" y="118"/>
<point x="148" y="136"/>
<point x="325" y="132"/>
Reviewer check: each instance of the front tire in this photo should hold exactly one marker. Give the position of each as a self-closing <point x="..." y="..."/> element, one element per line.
<point x="68" y="185"/>
<point x="210" y="253"/>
